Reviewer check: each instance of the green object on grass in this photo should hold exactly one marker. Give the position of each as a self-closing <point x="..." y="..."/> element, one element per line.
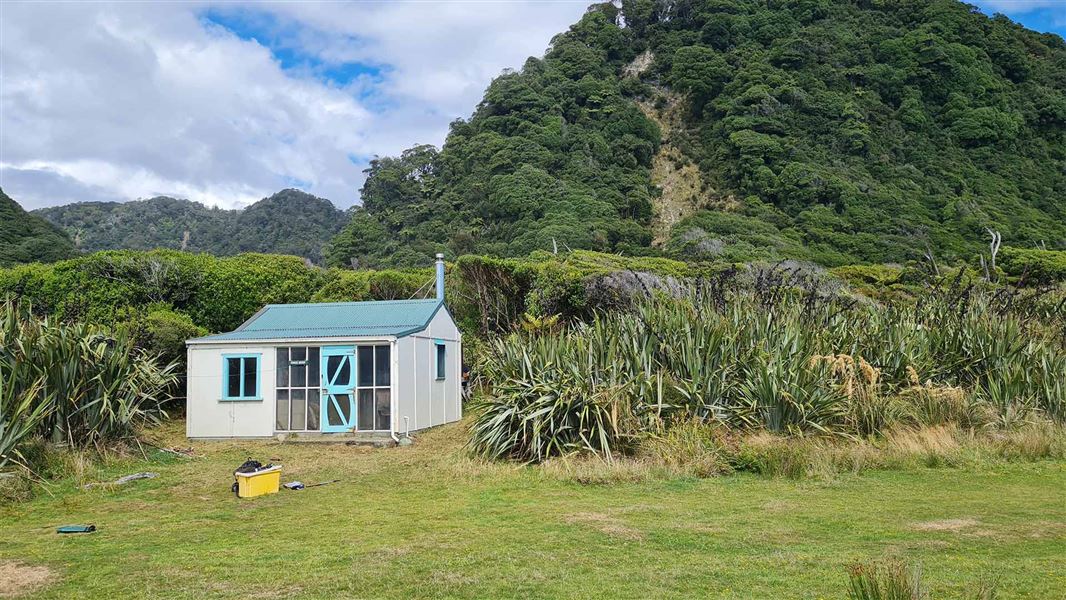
<point x="76" y="529"/>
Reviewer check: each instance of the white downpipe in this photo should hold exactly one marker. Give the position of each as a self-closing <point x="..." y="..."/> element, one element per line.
<point x="394" y="398"/>
<point x="407" y="427"/>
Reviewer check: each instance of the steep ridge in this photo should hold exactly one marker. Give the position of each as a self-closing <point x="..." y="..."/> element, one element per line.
<point x="839" y="132"/>
<point x="289" y="222"/>
<point x="25" y="237"/>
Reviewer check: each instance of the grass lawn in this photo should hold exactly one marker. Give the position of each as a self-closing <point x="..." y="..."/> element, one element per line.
<point x="426" y="522"/>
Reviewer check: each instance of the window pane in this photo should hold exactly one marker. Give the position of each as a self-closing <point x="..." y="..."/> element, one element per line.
<point x="382" y="365"/>
<point x="251" y="366"/>
<point x="299" y="375"/>
<point x="281" y="422"/>
<point x="366" y="410"/>
<point x="366" y="365"/>
<point x="440" y="361"/>
<point x="299" y="354"/>
<point x="383" y="408"/>
<point x="233" y="377"/>
<point x="298" y="410"/>
<point x="314" y="408"/>
<point x="332" y="364"/>
<point x="312" y="367"/>
<point x="283" y="367"/>
<point x="337" y="408"/>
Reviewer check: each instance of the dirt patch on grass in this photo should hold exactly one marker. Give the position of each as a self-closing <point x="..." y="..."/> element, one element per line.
<point x="607" y="525"/>
<point x="19" y="580"/>
<point x="946" y="525"/>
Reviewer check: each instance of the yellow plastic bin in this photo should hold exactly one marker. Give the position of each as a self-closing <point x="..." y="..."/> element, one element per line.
<point x="265" y="481"/>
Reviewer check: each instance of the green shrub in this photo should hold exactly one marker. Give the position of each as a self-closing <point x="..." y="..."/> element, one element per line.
<point x="771" y="355"/>
<point x="689" y="445"/>
<point x="355" y="286"/>
<point x="94" y="385"/>
<point x="163" y="332"/>
<point x="774" y="456"/>
<point x="1038" y="266"/>
<point x="21" y="414"/>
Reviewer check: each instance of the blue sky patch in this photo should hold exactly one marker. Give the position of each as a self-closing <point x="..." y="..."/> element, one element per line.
<point x="1049" y="19"/>
<point x="295" y="182"/>
<point x="284" y="41"/>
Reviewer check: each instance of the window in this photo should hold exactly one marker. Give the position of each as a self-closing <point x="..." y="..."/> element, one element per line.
<point x="298" y="389"/>
<point x="373" y="390"/>
<point x="441" y="362"/>
<point x="240" y="377"/>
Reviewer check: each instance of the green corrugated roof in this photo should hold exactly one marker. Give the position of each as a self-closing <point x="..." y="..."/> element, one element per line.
<point x="333" y="320"/>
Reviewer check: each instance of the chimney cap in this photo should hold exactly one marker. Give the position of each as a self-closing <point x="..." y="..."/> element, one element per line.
<point x="440" y="256"/>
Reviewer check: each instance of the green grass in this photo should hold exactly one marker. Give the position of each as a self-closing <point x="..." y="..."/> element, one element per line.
<point x="426" y="522"/>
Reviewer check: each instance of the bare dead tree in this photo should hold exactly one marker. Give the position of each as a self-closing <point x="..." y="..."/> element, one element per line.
<point x="993" y="246"/>
<point x="931" y="259"/>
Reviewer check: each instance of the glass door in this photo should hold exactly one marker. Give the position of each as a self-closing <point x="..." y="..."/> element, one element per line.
<point x="338" y="388"/>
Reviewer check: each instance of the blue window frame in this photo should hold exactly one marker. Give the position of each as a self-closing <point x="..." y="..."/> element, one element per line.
<point x="240" y="377"/>
<point x="439" y="355"/>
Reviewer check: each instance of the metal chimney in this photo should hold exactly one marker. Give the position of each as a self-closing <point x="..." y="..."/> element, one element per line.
<point x="440" y="276"/>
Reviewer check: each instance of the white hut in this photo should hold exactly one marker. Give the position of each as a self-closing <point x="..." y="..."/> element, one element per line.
<point x="374" y="369"/>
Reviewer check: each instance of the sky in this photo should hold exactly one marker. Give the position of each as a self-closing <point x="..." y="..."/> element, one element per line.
<point x="228" y="102"/>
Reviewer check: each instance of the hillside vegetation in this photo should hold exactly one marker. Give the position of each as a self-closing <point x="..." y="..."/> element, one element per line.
<point x="839" y="132"/>
<point x="289" y="222"/>
<point x="25" y="237"/>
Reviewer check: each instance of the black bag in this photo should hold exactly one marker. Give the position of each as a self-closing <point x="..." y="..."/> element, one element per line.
<point x="249" y="466"/>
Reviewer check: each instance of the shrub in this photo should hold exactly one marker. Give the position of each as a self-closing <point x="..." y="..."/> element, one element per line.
<point x="550" y="409"/>
<point x="21" y="414"/>
<point x="929" y="405"/>
<point x="782" y="353"/>
<point x="1038" y="266"/>
<point x="354" y="286"/>
<point x="94" y="385"/>
<point x="690" y="446"/>
<point x="163" y="332"/>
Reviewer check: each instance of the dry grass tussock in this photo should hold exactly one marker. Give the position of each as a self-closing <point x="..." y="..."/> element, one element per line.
<point x="692" y="449"/>
<point x="894" y="579"/>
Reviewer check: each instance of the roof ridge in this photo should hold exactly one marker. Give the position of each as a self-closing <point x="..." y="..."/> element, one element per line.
<point x="349" y="303"/>
<point x="315" y="328"/>
<point x="336" y="319"/>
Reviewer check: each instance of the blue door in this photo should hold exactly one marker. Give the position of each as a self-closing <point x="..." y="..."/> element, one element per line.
<point x="338" y="388"/>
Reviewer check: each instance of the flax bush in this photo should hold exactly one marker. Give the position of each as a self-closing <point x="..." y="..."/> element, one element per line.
<point x="73" y="383"/>
<point x="780" y="355"/>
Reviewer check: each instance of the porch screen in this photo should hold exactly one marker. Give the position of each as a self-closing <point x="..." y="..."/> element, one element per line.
<point x="298" y="387"/>
<point x="373" y="387"/>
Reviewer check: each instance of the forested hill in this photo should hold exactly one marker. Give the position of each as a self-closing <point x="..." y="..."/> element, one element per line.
<point x="835" y="131"/>
<point x="289" y="222"/>
<point x="27" y="238"/>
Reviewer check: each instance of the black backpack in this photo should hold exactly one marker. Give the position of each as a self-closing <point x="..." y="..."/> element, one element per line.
<point x="249" y="466"/>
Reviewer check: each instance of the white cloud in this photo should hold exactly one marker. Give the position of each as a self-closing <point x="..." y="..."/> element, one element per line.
<point x="119" y="101"/>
